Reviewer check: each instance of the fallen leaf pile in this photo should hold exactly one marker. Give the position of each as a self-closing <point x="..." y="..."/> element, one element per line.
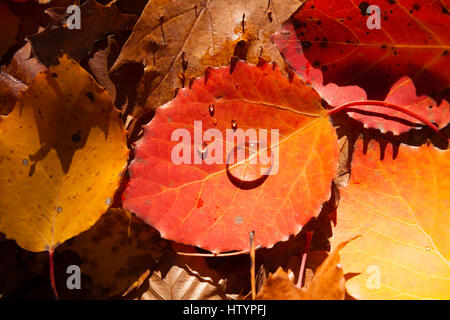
<point x="155" y="146"/>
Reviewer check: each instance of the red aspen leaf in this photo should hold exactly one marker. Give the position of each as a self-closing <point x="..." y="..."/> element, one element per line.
<point x="62" y="151"/>
<point x="215" y="206"/>
<point x="413" y="40"/>
<point x="97" y="21"/>
<point x="403" y="93"/>
<point x="345" y="61"/>
<point x="400" y="207"/>
<point x="175" y="41"/>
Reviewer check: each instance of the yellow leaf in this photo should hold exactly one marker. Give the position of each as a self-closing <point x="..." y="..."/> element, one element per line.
<point x="400" y="206"/>
<point x="62" y="151"/>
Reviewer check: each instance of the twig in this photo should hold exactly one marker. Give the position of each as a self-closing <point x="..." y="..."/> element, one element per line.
<point x="52" y="272"/>
<point x="252" y="264"/>
<point x="308" y="238"/>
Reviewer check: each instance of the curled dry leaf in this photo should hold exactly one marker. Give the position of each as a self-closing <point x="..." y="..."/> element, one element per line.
<point x="16" y="77"/>
<point x="100" y="61"/>
<point x="327" y="283"/>
<point x="63" y="149"/>
<point x="184" y="278"/>
<point x="10" y="88"/>
<point x="400" y="204"/>
<point x="23" y="66"/>
<point x="215" y="203"/>
<point x="176" y="41"/>
<point x="97" y="22"/>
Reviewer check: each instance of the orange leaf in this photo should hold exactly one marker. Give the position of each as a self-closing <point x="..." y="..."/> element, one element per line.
<point x="215" y="206"/>
<point x="401" y="208"/>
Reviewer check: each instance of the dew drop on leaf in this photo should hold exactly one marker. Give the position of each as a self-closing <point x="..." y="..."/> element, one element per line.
<point x="211" y="109"/>
<point x="233" y="124"/>
<point x="203" y="150"/>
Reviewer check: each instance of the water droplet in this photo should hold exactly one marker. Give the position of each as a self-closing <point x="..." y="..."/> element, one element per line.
<point x="211" y="109"/>
<point x="214" y="121"/>
<point x="428" y="248"/>
<point x="59" y="209"/>
<point x="108" y="201"/>
<point x="238" y="220"/>
<point x="203" y="150"/>
<point x="233" y="124"/>
<point x="25" y="162"/>
<point x="249" y="164"/>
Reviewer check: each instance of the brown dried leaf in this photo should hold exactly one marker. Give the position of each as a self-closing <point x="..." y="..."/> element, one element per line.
<point x="328" y="282"/>
<point x="117" y="250"/>
<point x="23" y="66"/>
<point x="176" y="41"/>
<point x="9" y="92"/>
<point x="184" y="278"/>
<point x="16" y="77"/>
<point x="97" y="21"/>
<point x="99" y="64"/>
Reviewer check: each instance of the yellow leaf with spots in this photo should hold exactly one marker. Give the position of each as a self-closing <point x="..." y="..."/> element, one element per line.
<point x="62" y="151"/>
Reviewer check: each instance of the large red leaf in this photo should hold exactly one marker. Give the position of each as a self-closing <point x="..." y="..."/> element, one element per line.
<point x="329" y="45"/>
<point x="400" y="205"/>
<point x="214" y="206"/>
<point x="413" y="40"/>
